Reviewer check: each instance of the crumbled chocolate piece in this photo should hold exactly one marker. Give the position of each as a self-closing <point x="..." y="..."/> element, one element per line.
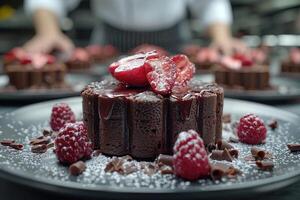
<point x="226" y="118"/>
<point x="39" y="148"/>
<point x="121" y="165"/>
<point x="164" y="160"/>
<point x="234" y="153"/>
<point x="265" y="164"/>
<point x="222" y="144"/>
<point x="258" y="153"/>
<point x="77" y="168"/>
<point x="210" y="147"/>
<point x="218" y="170"/>
<point x="148" y="168"/>
<point x="97" y="153"/>
<point x="7" y="142"/>
<point x="40" y="140"/>
<point x="166" y="169"/>
<point x="221" y="155"/>
<point x="47" y="132"/>
<point x="50" y="145"/>
<point x="16" y="146"/>
<point x="294" y="147"/>
<point x="273" y="124"/>
<point x="233" y="139"/>
<point x="128" y="168"/>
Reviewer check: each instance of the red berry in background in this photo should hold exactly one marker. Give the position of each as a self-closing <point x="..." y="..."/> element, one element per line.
<point x="251" y="129"/>
<point x="190" y="158"/>
<point x="161" y="74"/>
<point x="230" y="63"/>
<point x="184" y="69"/>
<point x="61" y="115"/>
<point x="246" y="61"/>
<point x="131" y="70"/>
<point x="72" y="143"/>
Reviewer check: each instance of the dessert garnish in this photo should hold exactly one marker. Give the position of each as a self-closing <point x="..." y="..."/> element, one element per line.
<point x="190" y="158"/>
<point x="61" y="114"/>
<point x="72" y="143"/>
<point x="222" y="144"/>
<point x="12" y="144"/>
<point x="273" y="124"/>
<point x="160" y="72"/>
<point x="219" y="170"/>
<point x="251" y="129"/>
<point x="294" y="147"/>
<point x="221" y="155"/>
<point x="77" y="168"/>
<point x="258" y="153"/>
<point x="265" y="165"/>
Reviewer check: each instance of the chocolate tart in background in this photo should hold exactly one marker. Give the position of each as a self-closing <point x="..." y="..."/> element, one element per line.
<point x="149" y="47"/>
<point x="291" y="65"/>
<point x="100" y="54"/>
<point x="79" y="60"/>
<point x="143" y="124"/>
<point x="240" y="72"/>
<point x="33" y="71"/>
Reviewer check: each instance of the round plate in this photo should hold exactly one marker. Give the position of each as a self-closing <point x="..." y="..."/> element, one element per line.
<point x="75" y="80"/>
<point x="286" y="89"/>
<point x="44" y="172"/>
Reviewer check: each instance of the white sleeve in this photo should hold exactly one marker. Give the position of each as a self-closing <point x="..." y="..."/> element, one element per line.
<point x="59" y="7"/>
<point x="211" y="11"/>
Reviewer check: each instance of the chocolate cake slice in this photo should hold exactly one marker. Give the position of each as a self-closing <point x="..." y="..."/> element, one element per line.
<point x="143" y="124"/>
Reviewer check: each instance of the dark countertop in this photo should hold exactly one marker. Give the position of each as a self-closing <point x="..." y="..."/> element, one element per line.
<point x="13" y="191"/>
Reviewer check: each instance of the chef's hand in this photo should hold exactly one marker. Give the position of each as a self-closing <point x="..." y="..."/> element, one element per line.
<point x="223" y="41"/>
<point x="48" y="34"/>
<point x="45" y="43"/>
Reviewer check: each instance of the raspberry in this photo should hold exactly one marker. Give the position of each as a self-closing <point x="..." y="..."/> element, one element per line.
<point x="131" y="70"/>
<point x="61" y="114"/>
<point x="190" y="158"/>
<point x="251" y="129"/>
<point x="161" y="74"/>
<point x="72" y="143"/>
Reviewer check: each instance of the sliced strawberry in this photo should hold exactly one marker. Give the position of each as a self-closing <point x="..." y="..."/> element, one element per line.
<point x="246" y="61"/>
<point x="161" y="74"/>
<point x="230" y="63"/>
<point x="131" y="70"/>
<point x="184" y="69"/>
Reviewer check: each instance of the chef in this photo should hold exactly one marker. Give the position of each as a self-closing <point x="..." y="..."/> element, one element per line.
<point x="128" y="23"/>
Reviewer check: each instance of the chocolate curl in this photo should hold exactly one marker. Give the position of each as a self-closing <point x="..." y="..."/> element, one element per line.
<point x="40" y="140"/>
<point x="217" y="172"/>
<point x="258" y="153"/>
<point x="121" y="165"/>
<point x="234" y="153"/>
<point x="47" y="132"/>
<point x="77" y="168"/>
<point x="16" y="146"/>
<point x="222" y="144"/>
<point x="293" y="147"/>
<point x="165" y="160"/>
<point x="210" y="147"/>
<point x="265" y="164"/>
<point x="7" y="142"/>
<point x="221" y="155"/>
<point x="40" y="148"/>
<point x="273" y="124"/>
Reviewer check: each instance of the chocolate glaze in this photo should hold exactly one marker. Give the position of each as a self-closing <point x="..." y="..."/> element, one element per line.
<point x="140" y="123"/>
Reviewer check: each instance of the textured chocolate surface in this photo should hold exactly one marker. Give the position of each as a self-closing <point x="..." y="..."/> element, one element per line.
<point x="140" y="123"/>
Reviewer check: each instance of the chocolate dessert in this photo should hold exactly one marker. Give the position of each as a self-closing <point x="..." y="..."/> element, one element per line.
<point x="143" y="124"/>
<point x="242" y="73"/>
<point x="79" y="60"/>
<point x="33" y="71"/>
<point x="292" y="63"/>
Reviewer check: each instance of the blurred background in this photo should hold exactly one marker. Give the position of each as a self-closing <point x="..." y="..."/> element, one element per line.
<point x="268" y="22"/>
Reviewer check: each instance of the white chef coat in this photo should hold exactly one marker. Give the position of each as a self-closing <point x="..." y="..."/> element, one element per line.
<point x="143" y="15"/>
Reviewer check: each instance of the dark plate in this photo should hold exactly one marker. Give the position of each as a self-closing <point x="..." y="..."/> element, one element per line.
<point x="75" y="80"/>
<point x="44" y="172"/>
<point x="284" y="89"/>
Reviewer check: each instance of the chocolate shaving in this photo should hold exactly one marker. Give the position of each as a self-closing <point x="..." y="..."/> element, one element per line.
<point x="217" y="172"/>
<point x="148" y="168"/>
<point x="221" y="155"/>
<point x="47" y="132"/>
<point x="226" y="118"/>
<point x="97" y="153"/>
<point x="222" y="144"/>
<point x="258" y="153"/>
<point x="16" y="146"/>
<point x="77" y="168"/>
<point x="40" y="148"/>
<point x="40" y="140"/>
<point x="273" y="124"/>
<point x="166" y="169"/>
<point x="50" y="145"/>
<point x="7" y="142"/>
<point x="294" y="147"/>
<point x="164" y="160"/>
<point x="265" y="164"/>
<point x="233" y="139"/>
<point x="234" y="153"/>
<point x="121" y="165"/>
<point x="220" y="170"/>
<point x="210" y="147"/>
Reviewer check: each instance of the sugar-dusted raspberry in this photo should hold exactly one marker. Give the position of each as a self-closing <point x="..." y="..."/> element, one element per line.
<point x="190" y="158"/>
<point x="251" y="129"/>
<point x="72" y="143"/>
<point x="61" y="114"/>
